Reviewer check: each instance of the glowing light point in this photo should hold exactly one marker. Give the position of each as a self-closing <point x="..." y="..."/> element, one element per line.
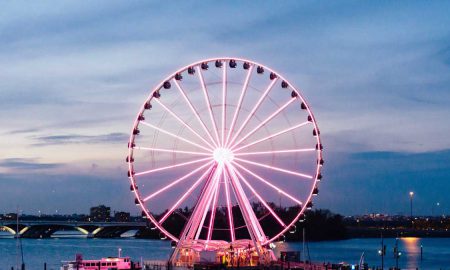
<point x="223" y="155"/>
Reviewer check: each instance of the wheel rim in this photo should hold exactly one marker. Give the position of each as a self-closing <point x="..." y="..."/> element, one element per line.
<point x="223" y="135"/>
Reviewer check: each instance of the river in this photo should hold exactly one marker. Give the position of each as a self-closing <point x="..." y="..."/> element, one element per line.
<point x="436" y="251"/>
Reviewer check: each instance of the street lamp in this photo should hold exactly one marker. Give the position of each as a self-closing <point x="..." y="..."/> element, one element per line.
<point x="433" y="213"/>
<point x="411" y="194"/>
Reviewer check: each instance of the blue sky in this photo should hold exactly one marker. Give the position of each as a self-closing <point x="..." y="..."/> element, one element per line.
<point x="73" y="75"/>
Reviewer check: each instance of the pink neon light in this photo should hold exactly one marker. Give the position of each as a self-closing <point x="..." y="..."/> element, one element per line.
<point x="184" y="123"/>
<point x="253" y="111"/>
<point x="202" y="82"/>
<point x="224" y="101"/>
<point x="195" y="112"/>
<point x="274" y="168"/>
<point x="258" y="196"/>
<point x="275" y="152"/>
<point x="209" y="199"/>
<point x="271" y="136"/>
<point x="264" y="122"/>
<point x="241" y="97"/>
<point x="182" y="198"/>
<point x="213" y="209"/>
<point x="173" y="166"/>
<point x="172" y="151"/>
<point x="193" y="225"/>
<point x="174" y="135"/>
<point x="268" y="183"/>
<point x="249" y="215"/>
<point x="229" y="207"/>
<point x="176" y="182"/>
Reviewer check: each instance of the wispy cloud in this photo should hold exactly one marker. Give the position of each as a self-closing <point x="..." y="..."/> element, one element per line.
<point x="81" y="139"/>
<point x="22" y="131"/>
<point x="27" y="164"/>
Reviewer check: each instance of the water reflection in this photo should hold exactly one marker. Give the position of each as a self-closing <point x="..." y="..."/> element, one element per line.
<point x="411" y="246"/>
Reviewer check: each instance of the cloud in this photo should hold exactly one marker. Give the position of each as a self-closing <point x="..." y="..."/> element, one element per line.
<point x="444" y="55"/>
<point x="379" y="182"/>
<point x="22" y="131"/>
<point x="27" y="164"/>
<point x="48" y="192"/>
<point x="81" y="139"/>
<point x="375" y="74"/>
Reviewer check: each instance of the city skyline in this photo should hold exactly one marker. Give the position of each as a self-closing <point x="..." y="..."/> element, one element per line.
<point x="375" y="74"/>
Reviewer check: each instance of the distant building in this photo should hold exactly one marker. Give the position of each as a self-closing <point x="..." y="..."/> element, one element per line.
<point x="9" y="216"/>
<point x="100" y="213"/>
<point x="122" y="216"/>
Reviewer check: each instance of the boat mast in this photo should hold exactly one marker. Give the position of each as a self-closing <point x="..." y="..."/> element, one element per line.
<point x="18" y="241"/>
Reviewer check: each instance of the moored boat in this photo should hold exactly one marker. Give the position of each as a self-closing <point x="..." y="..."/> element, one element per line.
<point x="109" y="263"/>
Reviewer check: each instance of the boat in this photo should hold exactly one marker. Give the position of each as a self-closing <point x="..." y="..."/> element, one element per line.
<point x="109" y="263"/>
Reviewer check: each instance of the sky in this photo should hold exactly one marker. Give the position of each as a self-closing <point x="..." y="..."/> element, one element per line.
<point x="73" y="75"/>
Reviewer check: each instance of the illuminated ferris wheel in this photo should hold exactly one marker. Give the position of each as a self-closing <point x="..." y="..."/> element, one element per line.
<point x="229" y="148"/>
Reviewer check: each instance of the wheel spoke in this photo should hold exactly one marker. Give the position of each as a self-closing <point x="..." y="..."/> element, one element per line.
<point x="259" y="197"/>
<point x="268" y="183"/>
<point x="184" y="123"/>
<point x="197" y="115"/>
<point x="271" y="136"/>
<point x="275" y="152"/>
<point x="182" y="198"/>
<point x="208" y="103"/>
<point x="229" y="207"/>
<point x="172" y="151"/>
<point x="274" y="168"/>
<point x="238" y="107"/>
<point x="264" y="122"/>
<point x="175" y="136"/>
<point x="224" y="102"/>
<point x="172" y="166"/>
<point x="253" y="111"/>
<point x="184" y="177"/>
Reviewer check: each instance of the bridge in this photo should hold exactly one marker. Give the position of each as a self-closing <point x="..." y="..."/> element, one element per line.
<point x="46" y="228"/>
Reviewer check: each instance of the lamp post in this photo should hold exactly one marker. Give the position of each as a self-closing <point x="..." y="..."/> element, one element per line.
<point x="382" y="251"/>
<point x="411" y="194"/>
<point x="397" y="253"/>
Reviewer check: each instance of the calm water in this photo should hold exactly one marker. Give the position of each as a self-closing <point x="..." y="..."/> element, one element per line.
<point x="436" y="251"/>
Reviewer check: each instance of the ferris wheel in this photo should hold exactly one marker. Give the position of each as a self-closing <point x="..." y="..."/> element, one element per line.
<point x="228" y="151"/>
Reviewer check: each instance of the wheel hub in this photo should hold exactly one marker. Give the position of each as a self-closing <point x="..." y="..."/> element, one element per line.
<point x="223" y="155"/>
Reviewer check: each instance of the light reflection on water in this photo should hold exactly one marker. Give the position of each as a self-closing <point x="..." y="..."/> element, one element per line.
<point x="412" y="250"/>
<point x="436" y="251"/>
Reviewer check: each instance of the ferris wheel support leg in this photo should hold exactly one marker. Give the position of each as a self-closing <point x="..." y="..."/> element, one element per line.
<point x="192" y="225"/>
<point x="254" y="228"/>
<point x="207" y="203"/>
<point x="229" y="207"/>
